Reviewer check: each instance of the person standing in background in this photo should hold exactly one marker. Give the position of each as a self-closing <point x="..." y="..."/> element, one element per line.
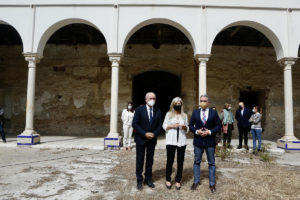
<point x="127" y="117"/>
<point x="227" y="124"/>
<point x="1" y="125"/>
<point x="242" y="116"/>
<point x="256" y="129"/>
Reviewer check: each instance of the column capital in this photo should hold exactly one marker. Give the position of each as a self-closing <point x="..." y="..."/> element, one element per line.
<point x="115" y="58"/>
<point x="287" y="61"/>
<point x="33" y="57"/>
<point x="202" y="57"/>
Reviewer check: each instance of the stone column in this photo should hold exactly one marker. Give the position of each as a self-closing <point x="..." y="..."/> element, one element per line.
<point x="288" y="141"/>
<point x="112" y="139"/>
<point x="29" y="136"/>
<point x="202" y="58"/>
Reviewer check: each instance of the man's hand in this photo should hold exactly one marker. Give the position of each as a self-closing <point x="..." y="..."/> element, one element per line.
<point x="203" y="133"/>
<point x="149" y="135"/>
<point x="199" y="132"/>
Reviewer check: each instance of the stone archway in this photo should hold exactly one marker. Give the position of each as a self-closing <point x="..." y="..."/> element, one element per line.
<point x="13" y="72"/>
<point x="165" y="85"/>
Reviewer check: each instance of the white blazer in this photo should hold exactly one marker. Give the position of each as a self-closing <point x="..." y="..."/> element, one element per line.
<point x="171" y="134"/>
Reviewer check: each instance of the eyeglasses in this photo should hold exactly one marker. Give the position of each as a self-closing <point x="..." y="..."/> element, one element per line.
<point x="203" y="100"/>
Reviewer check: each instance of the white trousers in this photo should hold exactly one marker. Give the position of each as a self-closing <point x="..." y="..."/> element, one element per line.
<point x="127" y="129"/>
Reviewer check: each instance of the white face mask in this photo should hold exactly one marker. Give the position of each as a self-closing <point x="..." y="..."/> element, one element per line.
<point x="129" y="107"/>
<point x="254" y="110"/>
<point x="151" y="103"/>
<point x="229" y="108"/>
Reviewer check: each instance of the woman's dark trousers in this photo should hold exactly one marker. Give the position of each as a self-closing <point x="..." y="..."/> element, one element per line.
<point x="170" y="159"/>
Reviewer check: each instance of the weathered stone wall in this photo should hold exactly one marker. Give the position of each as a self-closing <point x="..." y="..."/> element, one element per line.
<point x="73" y="84"/>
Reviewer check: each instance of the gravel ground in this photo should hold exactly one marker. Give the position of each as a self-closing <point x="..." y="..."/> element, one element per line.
<point x="56" y="173"/>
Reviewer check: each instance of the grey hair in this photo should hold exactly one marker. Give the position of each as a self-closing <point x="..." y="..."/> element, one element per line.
<point x="204" y="95"/>
<point x="148" y="93"/>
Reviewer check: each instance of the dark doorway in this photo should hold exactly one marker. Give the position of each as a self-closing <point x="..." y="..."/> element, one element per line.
<point x="165" y="85"/>
<point x="254" y="98"/>
<point x="250" y="99"/>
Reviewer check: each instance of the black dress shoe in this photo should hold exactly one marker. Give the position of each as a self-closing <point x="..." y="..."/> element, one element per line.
<point x="149" y="183"/>
<point x="239" y="147"/>
<point x="194" y="186"/>
<point x="140" y="185"/>
<point x="213" y="188"/>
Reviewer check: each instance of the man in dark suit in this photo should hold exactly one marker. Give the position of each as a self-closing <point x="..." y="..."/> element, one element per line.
<point x="147" y="123"/>
<point x="242" y="115"/>
<point x="205" y="124"/>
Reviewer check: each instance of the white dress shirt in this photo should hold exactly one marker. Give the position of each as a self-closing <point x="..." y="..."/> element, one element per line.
<point x="148" y="110"/>
<point x="171" y="134"/>
<point x="206" y="114"/>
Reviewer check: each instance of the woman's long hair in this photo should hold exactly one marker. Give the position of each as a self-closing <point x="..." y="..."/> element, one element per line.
<point x="172" y="112"/>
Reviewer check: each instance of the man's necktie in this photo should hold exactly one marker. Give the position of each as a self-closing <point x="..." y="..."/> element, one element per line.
<point x="151" y="115"/>
<point x="203" y="117"/>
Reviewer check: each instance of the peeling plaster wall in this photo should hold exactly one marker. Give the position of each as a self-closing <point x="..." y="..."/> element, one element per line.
<point x="73" y="84"/>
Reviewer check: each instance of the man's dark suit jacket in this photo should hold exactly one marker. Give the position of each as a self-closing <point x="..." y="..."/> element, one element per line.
<point x="142" y="125"/>
<point x="213" y="124"/>
<point x="243" y="120"/>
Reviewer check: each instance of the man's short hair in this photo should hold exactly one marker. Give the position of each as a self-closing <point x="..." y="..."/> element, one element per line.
<point x="148" y="93"/>
<point x="204" y="95"/>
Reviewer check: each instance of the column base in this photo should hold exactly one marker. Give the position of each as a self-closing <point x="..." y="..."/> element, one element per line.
<point x="289" y="143"/>
<point x="28" y="138"/>
<point x="112" y="140"/>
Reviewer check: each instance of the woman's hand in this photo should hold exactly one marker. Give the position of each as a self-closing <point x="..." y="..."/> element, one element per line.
<point x="173" y="126"/>
<point x="183" y="127"/>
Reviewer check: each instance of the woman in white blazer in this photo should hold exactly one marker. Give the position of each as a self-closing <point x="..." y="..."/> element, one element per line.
<point x="127" y="117"/>
<point x="176" y="127"/>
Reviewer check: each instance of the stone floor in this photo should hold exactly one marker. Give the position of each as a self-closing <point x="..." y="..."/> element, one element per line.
<point x="98" y="143"/>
